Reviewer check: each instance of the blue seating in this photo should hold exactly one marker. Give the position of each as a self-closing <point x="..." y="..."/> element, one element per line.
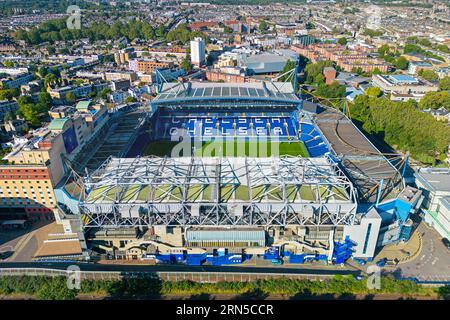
<point x="210" y="126"/>
<point x="313" y="140"/>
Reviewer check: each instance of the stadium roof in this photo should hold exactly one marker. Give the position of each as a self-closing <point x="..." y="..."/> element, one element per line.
<point x="268" y="91"/>
<point x="364" y="163"/>
<point x="218" y="191"/>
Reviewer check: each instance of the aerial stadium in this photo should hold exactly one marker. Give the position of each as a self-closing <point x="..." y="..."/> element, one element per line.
<point x="321" y="191"/>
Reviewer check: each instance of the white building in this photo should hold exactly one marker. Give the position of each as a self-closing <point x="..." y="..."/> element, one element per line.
<point x="198" y="51"/>
<point x="436" y="186"/>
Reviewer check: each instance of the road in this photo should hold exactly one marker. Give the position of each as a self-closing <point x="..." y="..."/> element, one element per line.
<point x="181" y="268"/>
<point x="433" y="263"/>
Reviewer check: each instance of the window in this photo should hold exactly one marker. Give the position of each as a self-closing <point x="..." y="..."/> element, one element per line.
<point x="366" y="241"/>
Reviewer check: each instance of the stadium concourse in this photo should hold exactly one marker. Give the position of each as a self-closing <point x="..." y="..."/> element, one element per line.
<point x="315" y="200"/>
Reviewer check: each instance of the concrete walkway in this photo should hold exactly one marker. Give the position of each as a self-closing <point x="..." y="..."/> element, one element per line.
<point x="403" y="251"/>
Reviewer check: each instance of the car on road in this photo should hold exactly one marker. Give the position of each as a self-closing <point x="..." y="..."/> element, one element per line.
<point x="446" y="242"/>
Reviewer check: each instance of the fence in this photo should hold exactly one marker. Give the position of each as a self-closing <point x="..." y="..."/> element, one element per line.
<point x="201" y="277"/>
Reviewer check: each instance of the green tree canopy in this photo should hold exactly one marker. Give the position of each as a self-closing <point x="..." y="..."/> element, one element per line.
<point x="332" y="91"/>
<point x="374" y="92"/>
<point x="435" y="100"/>
<point x="287" y="67"/>
<point x="401" y="63"/>
<point x="429" y="75"/>
<point x="404" y="126"/>
<point x="342" y="41"/>
<point x="8" y="64"/>
<point x="8" y="94"/>
<point x="444" y="83"/>
<point x="263" y="26"/>
<point x="312" y="70"/>
<point x="186" y="64"/>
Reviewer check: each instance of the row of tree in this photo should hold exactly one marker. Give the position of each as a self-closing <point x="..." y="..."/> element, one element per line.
<point x="34" y="111"/>
<point x="56" y="30"/>
<point x="183" y="34"/>
<point x="56" y="288"/>
<point x="404" y="126"/>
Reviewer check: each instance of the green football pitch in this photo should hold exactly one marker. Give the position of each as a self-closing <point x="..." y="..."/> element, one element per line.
<point x="232" y="148"/>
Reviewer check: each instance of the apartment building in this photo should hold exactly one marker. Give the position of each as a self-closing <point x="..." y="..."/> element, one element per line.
<point x="15" y="81"/>
<point x="219" y="76"/>
<point x="403" y="87"/>
<point x="415" y="66"/>
<point x="198" y="51"/>
<point x="435" y="184"/>
<point x="36" y="166"/>
<point x="119" y="75"/>
<point x="148" y="66"/>
<point x="7" y="106"/>
<point x="79" y="91"/>
<point x="347" y="59"/>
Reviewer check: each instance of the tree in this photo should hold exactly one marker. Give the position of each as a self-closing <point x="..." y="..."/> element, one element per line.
<point x="373" y="92"/>
<point x="401" y="63"/>
<point x="444" y="83"/>
<point x="186" y="64"/>
<point x="263" y="26"/>
<point x="443" y="48"/>
<point x="160" y="31"/>
<point x="383" y="49"/>
<point x="429" y="75"/>
<point x="8" y="94"/>
<point x="104" y="93"/>
<point x="51" y="50"/>
<point x="49" y="80"/>
<point x="45" y="98"/>
<point x="372" y="33"/>
<point x="312" y="70"/>
<point x="402" y="124"/>
<point x="342" y="41"/>
<point x="287" y="67"/>
<point x="435" y="100"/>
<point x="70" y="97"/>
<point x="42" y="72"/>
<point x="332" y="91"/>
<point x="30" y="113"/>
<point x="8" y="64"/>
<point x="309" y="26"/>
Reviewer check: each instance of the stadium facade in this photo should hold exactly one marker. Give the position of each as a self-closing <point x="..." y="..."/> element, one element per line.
<point x="344" y="199"/>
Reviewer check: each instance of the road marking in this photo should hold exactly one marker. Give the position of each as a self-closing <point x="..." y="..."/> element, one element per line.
<point x="422" y="257"/>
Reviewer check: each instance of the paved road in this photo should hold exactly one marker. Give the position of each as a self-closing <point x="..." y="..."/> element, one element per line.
<point x="179" y="268"/>
<point x="433" y="263"/>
